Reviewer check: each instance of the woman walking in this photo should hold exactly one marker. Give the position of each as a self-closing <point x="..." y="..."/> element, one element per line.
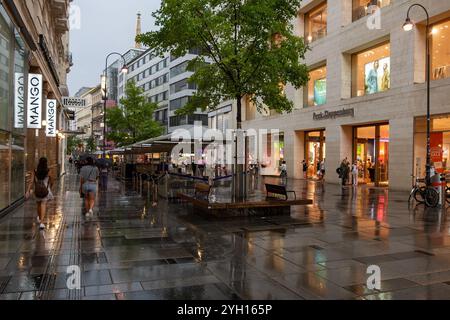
<point x="355" y="173"/>
<point x="42" y="183"/>
<point x="89" y="175"/>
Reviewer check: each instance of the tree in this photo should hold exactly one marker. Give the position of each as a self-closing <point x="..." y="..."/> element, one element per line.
<point x="73" y="142"/>
<point x="248" y="49"/>
<point x="91" y="145"/>
<point x="134" y="121"/>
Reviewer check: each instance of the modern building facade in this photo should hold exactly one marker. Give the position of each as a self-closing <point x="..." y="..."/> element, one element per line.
<point x="165" y="82"/>
<point x="366" y="98"/>
<point x="34" y="62"/>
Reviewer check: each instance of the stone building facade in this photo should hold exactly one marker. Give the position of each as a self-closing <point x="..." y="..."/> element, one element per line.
<point x="366" y="100"/>
<point x="35" y="41"/>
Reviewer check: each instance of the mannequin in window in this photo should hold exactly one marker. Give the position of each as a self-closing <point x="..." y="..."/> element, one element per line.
<point x="372" y="79"/>
<point x="386" y="79"/>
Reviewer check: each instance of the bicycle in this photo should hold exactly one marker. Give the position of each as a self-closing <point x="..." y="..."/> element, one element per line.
<point x="425" y="194"/>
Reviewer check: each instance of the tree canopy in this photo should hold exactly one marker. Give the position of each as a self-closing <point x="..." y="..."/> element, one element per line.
<point x="134" y="120"/>
<point x="248" y="48"/>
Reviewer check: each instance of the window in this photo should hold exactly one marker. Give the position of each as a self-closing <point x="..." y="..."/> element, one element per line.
<point x="362" y="8"/>
<point x="371" y="71"/>
<point x="179" y="69"/>
<point x="317" y="87"/>
<point x="440" y="46"/>
<point x="176" y="121"/>
<point x="316" y="23"/>
<point x="182" y="85"/>
<point x="203" y="118"/>
<point x="178" y="103"/>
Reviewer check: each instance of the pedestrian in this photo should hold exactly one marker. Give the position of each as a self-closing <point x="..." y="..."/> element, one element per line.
<point x="89" y="175"/>
<point x="355" y="173"/>
<point x="344" y="171"/>
<point x="322" y="169"/>
<point x="104" y="173"/>
<point x="42" y="190"/>
<point x="283" y="174"/>
<point x="305" y="169"/>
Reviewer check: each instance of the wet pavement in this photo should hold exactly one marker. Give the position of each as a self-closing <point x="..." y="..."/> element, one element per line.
<point x="132" y="250"/>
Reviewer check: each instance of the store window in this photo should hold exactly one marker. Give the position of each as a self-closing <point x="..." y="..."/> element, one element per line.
<point x="362" y="8"/>
<point x="440" y="46"/>
<point x="5" y="60"/>
<point x="316" y="23"/>
<point x="273" y="153"/>
<point x="5" y="159"/>
<point x="439" y="143"/>
<point x="317" y="87"/>
<point x="371" y="71"/>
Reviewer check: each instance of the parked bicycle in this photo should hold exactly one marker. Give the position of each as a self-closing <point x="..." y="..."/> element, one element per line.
<point x="425" y="194"/>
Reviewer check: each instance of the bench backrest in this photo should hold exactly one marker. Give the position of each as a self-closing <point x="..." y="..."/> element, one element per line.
<point x="276" y="189"/>
<point x="202" y="188"/>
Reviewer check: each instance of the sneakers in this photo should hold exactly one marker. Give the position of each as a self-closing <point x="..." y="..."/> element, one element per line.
<point x="42" y="226"/>
<point x="38" y="220"/>
<point x="90" y="213"/>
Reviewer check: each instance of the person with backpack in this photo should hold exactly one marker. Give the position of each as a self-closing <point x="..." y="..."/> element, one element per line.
<point x="42" y="183"/>
<point x="89" y="175"/>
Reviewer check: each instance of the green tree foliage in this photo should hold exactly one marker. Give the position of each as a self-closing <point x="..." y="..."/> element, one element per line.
<point x="91" y="145"/>
<point x="248" y="49"/>
<point x="134" y="121"/>
<point x="73" y="142"/>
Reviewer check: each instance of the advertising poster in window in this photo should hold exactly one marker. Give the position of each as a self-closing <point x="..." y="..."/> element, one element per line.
<point x="378" y="75"/>
<point x="320" y="92"/>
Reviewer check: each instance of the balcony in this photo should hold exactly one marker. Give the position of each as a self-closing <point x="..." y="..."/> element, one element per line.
<point x="60" y="12"/>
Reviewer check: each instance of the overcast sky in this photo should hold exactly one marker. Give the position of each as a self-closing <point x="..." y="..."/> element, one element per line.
<point x="106" y="26"/>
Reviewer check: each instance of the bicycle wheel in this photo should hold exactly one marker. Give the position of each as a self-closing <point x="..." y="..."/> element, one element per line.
<point x="431" y="198"/>
<point x="419" y="194"/>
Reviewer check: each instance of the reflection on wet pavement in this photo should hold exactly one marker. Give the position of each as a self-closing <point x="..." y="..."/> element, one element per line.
<point x="132" y="250"/>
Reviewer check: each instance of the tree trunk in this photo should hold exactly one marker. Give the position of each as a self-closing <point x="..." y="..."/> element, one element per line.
<point x="239" y="176"/>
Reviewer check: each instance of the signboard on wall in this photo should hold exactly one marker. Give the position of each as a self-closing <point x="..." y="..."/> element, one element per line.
<point x="19" y="103"/>
<point x="436" y="150"/>
<point x="70" y="102"/>
<point x="34" y="105"/>
<point x="51" y="118"/>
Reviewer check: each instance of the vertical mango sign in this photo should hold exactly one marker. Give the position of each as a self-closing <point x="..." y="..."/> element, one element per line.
<point x="34" y="115"/>
<point x="51" y="118"/>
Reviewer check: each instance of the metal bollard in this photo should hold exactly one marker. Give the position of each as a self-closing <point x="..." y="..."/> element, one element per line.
<point x="443" y="193"/>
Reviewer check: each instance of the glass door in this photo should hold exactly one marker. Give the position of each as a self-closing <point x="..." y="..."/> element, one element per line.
<point x="314" y="152"/>
<point x="371" y="152"/>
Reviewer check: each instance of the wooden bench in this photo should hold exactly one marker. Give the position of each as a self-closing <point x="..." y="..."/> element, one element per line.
<point x="273" y="189"/>
<point x="202" y="189"/>
<point x="269" y="206"/>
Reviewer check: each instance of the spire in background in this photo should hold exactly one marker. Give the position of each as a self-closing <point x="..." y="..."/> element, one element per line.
<point x="138" y="30"/>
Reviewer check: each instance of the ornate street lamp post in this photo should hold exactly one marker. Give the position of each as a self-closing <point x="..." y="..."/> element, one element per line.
<point x="408" y="26"/>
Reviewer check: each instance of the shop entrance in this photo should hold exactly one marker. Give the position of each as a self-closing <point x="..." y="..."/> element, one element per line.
<point x="315" y="151"/>
<point x="371" y="151"/>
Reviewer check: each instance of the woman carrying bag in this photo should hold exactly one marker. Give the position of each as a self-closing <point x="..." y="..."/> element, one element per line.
<point x="42" y="183"/>
<point x="89" y="175"/>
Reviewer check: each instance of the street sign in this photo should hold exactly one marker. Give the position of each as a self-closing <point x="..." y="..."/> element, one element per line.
<point x="71" y="115"/>
<point x="71" y="102"/>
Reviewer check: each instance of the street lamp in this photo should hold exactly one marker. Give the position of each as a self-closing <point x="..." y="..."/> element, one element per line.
<point x="408" y="26"/>
<point x="105" y="93"/>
